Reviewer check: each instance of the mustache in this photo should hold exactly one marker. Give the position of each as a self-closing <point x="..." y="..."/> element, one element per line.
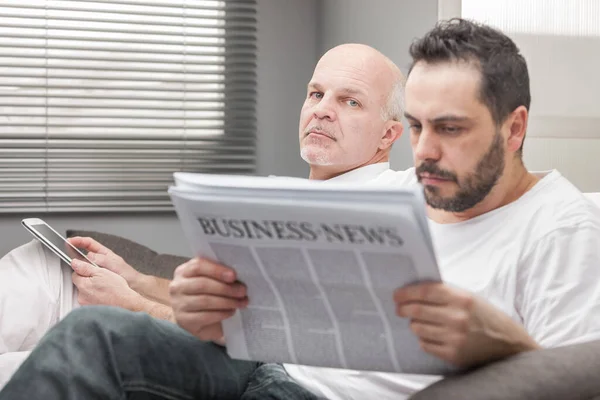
<point x="320" y="129"/>
<point x="432" y="169"/>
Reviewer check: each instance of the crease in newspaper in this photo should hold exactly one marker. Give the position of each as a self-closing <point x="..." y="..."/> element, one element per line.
<point x="379" y="306"/>
<point x="235" y="336"/>
<point x="286" y="320"/>
<point x="316" y="281"/>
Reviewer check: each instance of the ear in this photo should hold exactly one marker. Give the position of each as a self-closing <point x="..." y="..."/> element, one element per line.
<point x="517" y="126"/>
<point x="392" y="132"/>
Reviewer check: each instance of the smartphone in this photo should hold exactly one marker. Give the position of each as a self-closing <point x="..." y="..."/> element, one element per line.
<point x="54" y="240"/>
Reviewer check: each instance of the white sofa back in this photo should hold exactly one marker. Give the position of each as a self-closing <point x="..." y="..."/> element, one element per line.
<point x="595" y="197"/>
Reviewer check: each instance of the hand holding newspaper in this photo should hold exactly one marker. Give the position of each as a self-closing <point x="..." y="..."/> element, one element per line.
<point x="321" y="261"/>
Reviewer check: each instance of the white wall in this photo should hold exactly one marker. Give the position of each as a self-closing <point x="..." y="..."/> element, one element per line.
<point x="286" y="56"/>
<point x="387" y="25"/>
<point x="287" y="52"/>
<point x="560" y="41"/>
<point x="564" y="126"/>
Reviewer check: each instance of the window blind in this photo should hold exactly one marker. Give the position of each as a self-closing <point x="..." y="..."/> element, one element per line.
<point x="101" y="101"/>
<point x="539" y="17"/>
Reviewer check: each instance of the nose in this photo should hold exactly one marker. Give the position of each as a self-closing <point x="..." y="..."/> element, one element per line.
<point x="426" y="145"/>
<point x="325" y="109"/>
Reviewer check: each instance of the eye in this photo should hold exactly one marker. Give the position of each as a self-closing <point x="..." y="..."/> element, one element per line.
<point x="451" y="130"/>
<point x="352" y="103"/>
<point x="316" y="95"/>
<point x="415" y="128"/>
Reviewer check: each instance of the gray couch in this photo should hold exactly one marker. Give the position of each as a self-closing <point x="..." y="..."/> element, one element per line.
<point x="565" y="373"/>
<point x="141" y="257"/>
<point x="562" y="373"/>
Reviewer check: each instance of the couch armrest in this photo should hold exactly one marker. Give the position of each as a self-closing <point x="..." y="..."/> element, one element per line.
<point x="138" y="256"/>
<point x="569" y="372"/>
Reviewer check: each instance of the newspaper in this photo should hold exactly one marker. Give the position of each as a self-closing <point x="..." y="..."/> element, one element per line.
<point x="320" y="261"/>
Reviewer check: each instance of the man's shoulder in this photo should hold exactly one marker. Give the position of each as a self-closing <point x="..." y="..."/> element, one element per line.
<point x="396" y="178"/>
<point x="560" y="204"/>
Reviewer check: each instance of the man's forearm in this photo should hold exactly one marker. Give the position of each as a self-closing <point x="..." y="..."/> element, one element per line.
<point x="153" y="288"/>
<point x="154" y="309"/>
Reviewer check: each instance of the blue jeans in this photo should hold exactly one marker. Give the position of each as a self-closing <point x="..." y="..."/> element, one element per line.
<point x="109" y="353"/>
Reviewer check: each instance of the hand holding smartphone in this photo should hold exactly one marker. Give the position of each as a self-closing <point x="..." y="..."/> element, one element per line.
<point x="54" y="241"/>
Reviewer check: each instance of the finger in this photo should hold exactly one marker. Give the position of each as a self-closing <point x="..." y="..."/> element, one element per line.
<point x="430" y="292"/>
<point x="76" y="279"/>
<point x="437" y="349"/>
<point x="202" y="285"/>
<point x="82" y="268"/>
<point x="211" y="303"/>
<point x="429" y="332"/>
<point x="100" y="260"/>
<point x="196" y="322"/>
<point x="203" y="267"/>
<point x="215" y="332"/>
<point x="453" y="319"/>
<point x="424" y="312"/>
<point x="79" y="281"/>
<point x="89" y="244"/>
<point x="442" y="350"/>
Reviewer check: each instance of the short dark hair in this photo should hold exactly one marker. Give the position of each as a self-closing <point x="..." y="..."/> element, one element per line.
<point x="504" y="75"/>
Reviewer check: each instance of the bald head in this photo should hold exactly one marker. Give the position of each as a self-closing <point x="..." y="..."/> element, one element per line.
<point x="385" y="73"/>
<point x="352" y="111"/>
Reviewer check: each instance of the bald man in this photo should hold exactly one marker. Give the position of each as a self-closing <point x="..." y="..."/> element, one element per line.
<point x="348" y="123"/>
<point x="352" y="112"/>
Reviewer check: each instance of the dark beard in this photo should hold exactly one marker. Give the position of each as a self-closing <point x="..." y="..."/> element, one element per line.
<point x="472" y="189"/>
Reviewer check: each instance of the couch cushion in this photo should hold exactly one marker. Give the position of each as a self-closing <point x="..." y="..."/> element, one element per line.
<point x="163" y="265"/>
<point x="569" y="372"/>
<point x="138" y="256"/>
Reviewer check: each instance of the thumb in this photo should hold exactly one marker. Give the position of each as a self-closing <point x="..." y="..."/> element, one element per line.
<point x="82" y="268"/>
<point x="220" y="341"/>
<point x="99" y="260"/>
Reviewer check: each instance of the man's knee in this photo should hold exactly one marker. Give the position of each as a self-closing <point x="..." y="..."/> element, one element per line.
<point x="94" y="319"/>
<point x="271" y="381"/>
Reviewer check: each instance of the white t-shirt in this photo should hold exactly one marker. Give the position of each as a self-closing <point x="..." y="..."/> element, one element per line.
<point x="377" y="174"/>
<point x="372" y="174"/>
<point x="537" y="259"/>
<point x="35" y="293"/>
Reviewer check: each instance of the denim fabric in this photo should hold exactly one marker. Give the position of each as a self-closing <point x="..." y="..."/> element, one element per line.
<point x="108" y="353"/>
<point x="271" y="382"/>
